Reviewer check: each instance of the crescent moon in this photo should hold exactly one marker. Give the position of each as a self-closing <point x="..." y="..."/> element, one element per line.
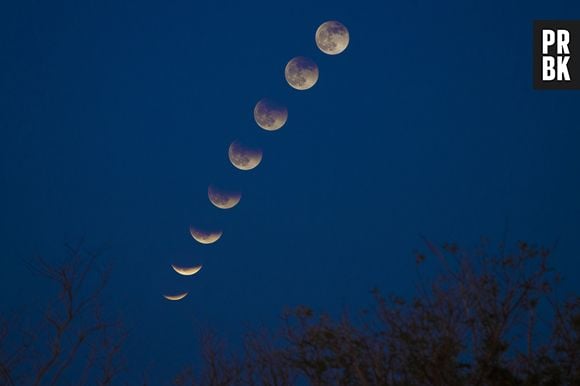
<point x="223" y="199"/>
<point x="204" y="236"/>
<point x="270" y="115"/>
<point x="244" y="157"/>
<point x="301" y="73"/>
<point x="186" y="271"/>
<point x="176" y="297"/>
<point x="332" y="37"/>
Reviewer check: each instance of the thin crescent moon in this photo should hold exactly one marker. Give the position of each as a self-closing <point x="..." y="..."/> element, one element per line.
<point x="205" y="237"/>
<point x="176" y="297"/>
<point x="186" y="271"/>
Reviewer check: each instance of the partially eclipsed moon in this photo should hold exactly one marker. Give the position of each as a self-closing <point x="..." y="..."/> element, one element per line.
<point x="204" y="236"/>
<point x="301" y="73"/>
<point x="270" y="115"/>
<point x="186" y="271"/>
<point x="175" y="297"/>
<point x="222" y="198"/>
<point x="244" y="157"/>
<point x="332" y="37"/>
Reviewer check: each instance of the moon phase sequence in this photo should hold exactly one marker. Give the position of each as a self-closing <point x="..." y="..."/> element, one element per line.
<point x="270" y="115"/>
<point x="186" y="271"/>
<point x="244" y="157"/>
<point x="332" y="37"/>
<point x="176" y="297"/>
<point x="301" y="73"/>
<point x="205" y="236"/>
<point x="223" y="199"/>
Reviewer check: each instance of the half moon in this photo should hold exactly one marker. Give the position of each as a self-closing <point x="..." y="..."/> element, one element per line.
<point x="301" y="73"/>
<point x="270" y="115"/>
<point x="332" y="37"/>
<point x="222" y="198"/>
<point x="204" y="236"/>
<point x="244" y="157"/>
<point x="186" y="271"/>
<point x="176" y="297"/>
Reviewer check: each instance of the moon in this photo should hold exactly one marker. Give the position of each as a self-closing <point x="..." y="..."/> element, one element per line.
<point x="301" y="73"/>
<point x="270" y="115"/>
<point x="205" y="236"/>
<point x="186" y="271"/>
<point x="332" y="37"/>
<point x="176" y="297"/>
<point x="244" y="157"/>
<point x="223" y="199"/>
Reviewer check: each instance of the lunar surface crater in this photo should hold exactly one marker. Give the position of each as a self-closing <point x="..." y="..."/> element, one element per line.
<point x="332" y="37"/>
<point x="270" y="115"/>
<point x="301" y="73"/>
<point x="243" y="156"/>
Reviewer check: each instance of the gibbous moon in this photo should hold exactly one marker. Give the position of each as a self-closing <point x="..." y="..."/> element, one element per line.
<point x="186" y="271"/>
<point x="204" y="236"/>
<point x="270" y="115"/>
<point x="175" y="297"/>
<point x="222" y="198"/>
<point x="332" y="37"/>
<point x="301" y="73"/>
<point x="244" y="157"/>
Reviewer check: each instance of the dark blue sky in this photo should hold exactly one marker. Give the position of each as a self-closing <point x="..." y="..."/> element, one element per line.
<point x="115" y="116"/>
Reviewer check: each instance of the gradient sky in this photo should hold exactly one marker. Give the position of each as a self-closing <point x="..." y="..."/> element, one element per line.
<point x="116" y="115"/>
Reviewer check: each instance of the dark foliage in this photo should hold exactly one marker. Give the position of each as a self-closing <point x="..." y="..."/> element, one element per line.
<point x="73" y="341"/>
<point x="488" y="318"/>
<point x="485" y="319"/>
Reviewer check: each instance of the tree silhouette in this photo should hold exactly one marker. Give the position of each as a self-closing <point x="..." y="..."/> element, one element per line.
<point x="74" y="341"/>
<point x="488" y="317"/>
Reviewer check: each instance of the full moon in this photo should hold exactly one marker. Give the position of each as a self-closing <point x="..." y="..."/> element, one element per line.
<point x="205" y="236"/>
<point x="301" y="73"/>
<point x="186" y="271"/>
<point x="244" y="157"/>
<point x="223" y="199"/>
<point x="332" y="37"/>
<point x="270" y="115"/>
<point x="176" y="297"/>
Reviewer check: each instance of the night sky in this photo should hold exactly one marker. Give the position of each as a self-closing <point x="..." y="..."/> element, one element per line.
<point x="116" y="115"/>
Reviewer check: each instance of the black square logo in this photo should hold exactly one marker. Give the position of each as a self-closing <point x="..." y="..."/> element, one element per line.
<point x="557" y="54"/>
